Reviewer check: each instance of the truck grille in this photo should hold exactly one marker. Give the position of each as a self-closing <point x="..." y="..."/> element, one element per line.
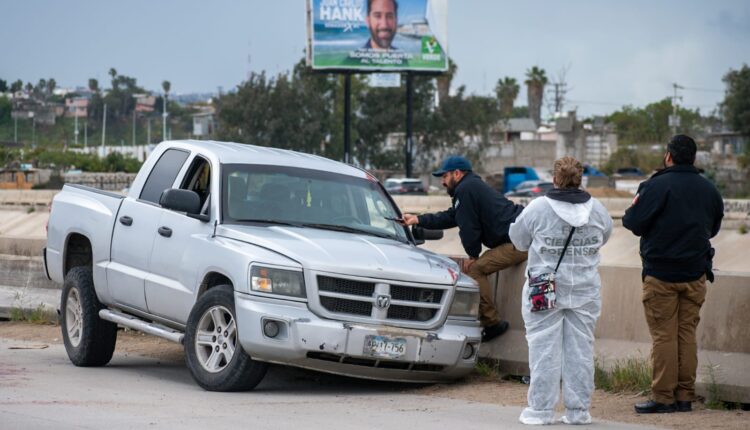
<point x="407" y="303"/>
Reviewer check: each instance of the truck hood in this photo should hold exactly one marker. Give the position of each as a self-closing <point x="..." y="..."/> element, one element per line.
<point x="348" y="253"/>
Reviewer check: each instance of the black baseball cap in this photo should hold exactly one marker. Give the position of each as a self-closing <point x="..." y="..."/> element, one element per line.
<point x="454" y="162"/>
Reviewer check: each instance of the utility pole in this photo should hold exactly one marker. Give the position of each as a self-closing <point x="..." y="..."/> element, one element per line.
<point x="133" y="127"/>
<point x="674" y="119"/>
<point x="104" y="127"/>
<point x="76" y="121"/>
<point x="164" y="117"/>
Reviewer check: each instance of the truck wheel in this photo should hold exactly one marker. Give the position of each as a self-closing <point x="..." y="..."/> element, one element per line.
<point x="89" y="340"/>
<point x="212" y="348"/>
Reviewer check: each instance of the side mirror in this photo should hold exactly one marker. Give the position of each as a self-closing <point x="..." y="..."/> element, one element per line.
<point x="422" y="234"/>
<point x="181" y="201"/>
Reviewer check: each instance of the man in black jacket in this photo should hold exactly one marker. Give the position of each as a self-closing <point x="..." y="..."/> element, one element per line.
<point x="483" y="217"/>
<point x="675" y="212"/>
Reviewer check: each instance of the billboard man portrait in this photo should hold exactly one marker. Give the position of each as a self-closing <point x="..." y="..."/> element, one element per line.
<point x="382" y="21"/>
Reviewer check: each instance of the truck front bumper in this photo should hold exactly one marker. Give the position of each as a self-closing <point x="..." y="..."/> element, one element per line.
<point x="286" y="332"/>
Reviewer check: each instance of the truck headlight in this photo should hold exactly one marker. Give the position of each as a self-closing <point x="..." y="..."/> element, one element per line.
<point x="465" y="304"/>
<point x="277" y="281"/>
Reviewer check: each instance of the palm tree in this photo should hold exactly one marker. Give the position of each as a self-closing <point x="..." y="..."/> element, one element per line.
<point x="94" y="85"/>
<point x="444" y="80"/>
<point x="51" y="85"/>
<point x="536" y="79"/>
<point x="166" y="86"/>
<point x="507" y="90"/>
<point x="113" y="74"/>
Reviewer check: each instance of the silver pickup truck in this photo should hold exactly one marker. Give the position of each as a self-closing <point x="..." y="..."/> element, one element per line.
<point x="249" y="255"/>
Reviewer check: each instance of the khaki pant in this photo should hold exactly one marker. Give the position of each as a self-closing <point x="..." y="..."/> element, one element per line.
<point x="672" y="313"/>
<point x="491" y="261"/>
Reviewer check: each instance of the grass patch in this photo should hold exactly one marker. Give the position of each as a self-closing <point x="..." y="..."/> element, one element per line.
<point x="39" y="315"/>
<point x="742" y="229"/>
<point x="488" y="368"/>
<point x="629" y="375"/>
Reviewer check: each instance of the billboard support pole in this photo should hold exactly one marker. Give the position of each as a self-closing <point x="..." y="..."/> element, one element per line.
<point x="347" y="117"/>
<point x="409" y="121"/>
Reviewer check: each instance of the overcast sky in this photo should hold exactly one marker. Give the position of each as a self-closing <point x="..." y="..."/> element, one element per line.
<point x="615" y="52"/>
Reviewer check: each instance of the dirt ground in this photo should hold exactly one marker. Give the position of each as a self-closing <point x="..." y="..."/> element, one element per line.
<point x="477" y="388"/>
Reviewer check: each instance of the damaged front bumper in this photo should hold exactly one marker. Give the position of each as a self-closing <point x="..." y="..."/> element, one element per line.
<point x="286" y="332"/>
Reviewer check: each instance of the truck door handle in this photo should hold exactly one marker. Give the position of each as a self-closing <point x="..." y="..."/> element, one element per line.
<point x="126" y="220"/>
<point x="165" y="231"/>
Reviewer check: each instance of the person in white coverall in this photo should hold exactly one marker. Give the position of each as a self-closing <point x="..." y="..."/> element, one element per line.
<point x="561" y="339"/>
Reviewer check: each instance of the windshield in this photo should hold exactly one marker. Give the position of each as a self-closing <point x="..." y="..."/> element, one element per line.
<point x="307" y="198"/>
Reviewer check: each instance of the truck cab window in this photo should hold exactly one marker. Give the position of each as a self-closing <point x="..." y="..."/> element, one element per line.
<point x="198" y="179"/>
<point x="163" y="174"/>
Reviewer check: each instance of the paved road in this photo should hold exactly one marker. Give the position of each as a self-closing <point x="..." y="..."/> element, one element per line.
<point x="40" y="389"/>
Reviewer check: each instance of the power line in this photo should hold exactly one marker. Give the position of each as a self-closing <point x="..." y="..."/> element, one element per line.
<point x="705" y="90"/>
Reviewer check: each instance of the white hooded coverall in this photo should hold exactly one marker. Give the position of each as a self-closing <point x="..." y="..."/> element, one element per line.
<point x="561" y="340"/>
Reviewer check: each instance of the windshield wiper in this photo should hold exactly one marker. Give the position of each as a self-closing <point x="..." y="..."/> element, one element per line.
<point x="347" y="229"/>
<point x="270" y="221"/>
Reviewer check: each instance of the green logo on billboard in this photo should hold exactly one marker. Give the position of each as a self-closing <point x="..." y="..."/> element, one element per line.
<point x="430" y="45"/>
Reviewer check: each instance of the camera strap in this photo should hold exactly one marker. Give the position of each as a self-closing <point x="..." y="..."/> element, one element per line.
<point x="567" y="242"/>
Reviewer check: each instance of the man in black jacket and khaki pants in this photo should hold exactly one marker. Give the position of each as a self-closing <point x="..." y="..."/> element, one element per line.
<point x="675" y="213"/>
<point x="483" y="217"/>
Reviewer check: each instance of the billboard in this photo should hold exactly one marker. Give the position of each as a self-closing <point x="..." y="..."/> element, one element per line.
<point x="390" y="35"/>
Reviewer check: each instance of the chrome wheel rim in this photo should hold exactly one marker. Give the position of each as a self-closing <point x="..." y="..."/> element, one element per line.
<point x="74" y="317"/>
<point x="216" y="339"/>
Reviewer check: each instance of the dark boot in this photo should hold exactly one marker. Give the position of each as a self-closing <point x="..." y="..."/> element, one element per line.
<point x="684" y="406"/>
<point x="652" y="407"/>
<point x="493" y="331"/>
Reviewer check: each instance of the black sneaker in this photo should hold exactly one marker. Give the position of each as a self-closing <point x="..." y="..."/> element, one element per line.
<point x="683" y="406"/>
<point x="652" y="407"/>
<point x="493" y="331"/>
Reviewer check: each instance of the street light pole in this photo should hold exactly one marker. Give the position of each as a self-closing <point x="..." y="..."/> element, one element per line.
<point x="104" y="127"/>
<point x="76" y="121"/>
<point x="164" y="117"/>
<point x="133" y="127"/>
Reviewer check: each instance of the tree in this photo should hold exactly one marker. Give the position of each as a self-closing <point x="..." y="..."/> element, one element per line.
<point x="650" y="125"/>
<point x="41" y="88"/>
<point x="93" y="85"/>
<point x="166" y="86"/>
<point x="113" y="75"/>
<point x="536" y="79"/>
<point x="51" y="85"/>
<point x="736" y="104"/>
<point x="3" y="86"/>
<point x="29" y="87"/>
<point x="444" y="81"/>
<point x="507" y="90"/>
<point x="16" y="86"/>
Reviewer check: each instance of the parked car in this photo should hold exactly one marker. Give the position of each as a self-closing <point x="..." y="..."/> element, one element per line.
<point x="250" y="255"/>
<point x="589" y="170"/>
<point x="512" y="176"/>
<point x="412" y="186"/>
<point x="530" y="189"/>
<point x="629" y="171"/>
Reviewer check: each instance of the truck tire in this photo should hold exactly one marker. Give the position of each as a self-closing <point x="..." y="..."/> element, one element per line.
<point x="89" y="340"/>
<point x="213" y="352"/>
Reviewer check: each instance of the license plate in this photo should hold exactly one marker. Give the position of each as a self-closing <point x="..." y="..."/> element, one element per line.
<point x="384" y="346"/>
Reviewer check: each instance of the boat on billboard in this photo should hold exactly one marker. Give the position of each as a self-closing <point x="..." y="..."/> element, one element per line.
<point x="378" y="35"/>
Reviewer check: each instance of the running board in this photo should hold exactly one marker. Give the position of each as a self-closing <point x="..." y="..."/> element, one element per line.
<point x="135" y="323"/>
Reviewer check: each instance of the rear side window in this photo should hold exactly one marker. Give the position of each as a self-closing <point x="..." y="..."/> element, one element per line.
<point x="163" y="174"/>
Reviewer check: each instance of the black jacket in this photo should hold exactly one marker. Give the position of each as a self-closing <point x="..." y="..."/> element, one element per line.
<point x="676" y="212"/>
<point x="482" y="215"/>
